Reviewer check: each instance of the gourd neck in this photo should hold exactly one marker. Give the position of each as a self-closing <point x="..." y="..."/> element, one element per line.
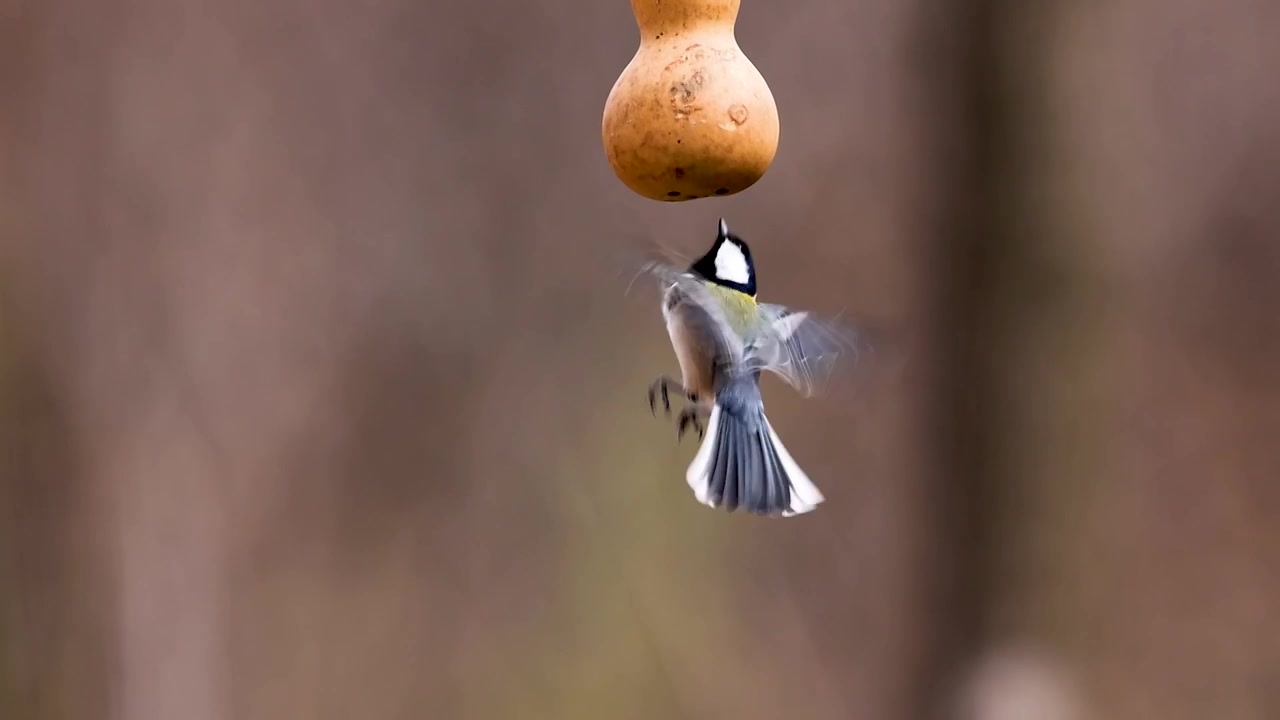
<point x="654" y="16"/>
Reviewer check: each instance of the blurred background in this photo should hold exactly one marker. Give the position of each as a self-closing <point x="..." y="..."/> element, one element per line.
<point x="322" y="396"/>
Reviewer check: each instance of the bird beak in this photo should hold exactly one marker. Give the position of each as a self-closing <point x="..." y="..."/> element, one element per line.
<point x="724" y="229"/>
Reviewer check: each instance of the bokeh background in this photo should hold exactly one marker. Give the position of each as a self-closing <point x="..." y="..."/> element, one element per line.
<point x="321" y="395"/>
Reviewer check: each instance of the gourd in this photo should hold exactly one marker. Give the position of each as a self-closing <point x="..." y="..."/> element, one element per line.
<point x="690" y="116"/>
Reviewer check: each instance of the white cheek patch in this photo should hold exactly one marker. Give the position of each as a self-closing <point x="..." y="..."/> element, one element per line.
<point x="731" y="264"/>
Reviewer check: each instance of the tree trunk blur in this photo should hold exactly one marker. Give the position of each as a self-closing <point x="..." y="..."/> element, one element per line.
<point x="321" y="393"/>
<point x="1117" y="346"/>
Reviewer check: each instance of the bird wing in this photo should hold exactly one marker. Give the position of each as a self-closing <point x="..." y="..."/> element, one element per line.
<point x="799" y="347"/>
<point x="700" y="312"/>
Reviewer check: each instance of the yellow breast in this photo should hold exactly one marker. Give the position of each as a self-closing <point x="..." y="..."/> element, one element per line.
<point x="739" y="308"/>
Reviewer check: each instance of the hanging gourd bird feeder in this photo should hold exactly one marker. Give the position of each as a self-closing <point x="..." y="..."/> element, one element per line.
<point x="690" y="117"/>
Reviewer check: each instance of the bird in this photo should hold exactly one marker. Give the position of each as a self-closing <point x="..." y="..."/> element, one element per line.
<point x="724" y="339"/>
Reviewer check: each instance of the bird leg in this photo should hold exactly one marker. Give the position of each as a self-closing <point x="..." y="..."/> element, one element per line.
<point x="690" y="417"/>
<point x="662" y="387"/>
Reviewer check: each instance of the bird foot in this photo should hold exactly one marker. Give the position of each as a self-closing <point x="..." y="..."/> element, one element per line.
<point x="662" y="388"/>
<point x="690" y="418"/>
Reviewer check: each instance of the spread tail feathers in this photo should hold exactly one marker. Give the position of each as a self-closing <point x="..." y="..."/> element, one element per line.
<point x="743" y="464"/>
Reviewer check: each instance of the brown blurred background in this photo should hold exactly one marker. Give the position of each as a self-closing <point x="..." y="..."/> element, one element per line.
<point x="320" y="395"/>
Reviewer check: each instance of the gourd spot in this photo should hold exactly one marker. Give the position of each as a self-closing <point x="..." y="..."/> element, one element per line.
<point x="683" y="92"/>
<point x="738" y="114"/>
<point x="679" y="173"/>
<point x="674" y="193"/>
<point x="722" y="191"/>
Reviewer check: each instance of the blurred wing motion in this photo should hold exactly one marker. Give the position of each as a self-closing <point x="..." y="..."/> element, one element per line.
<point x="797" y="346"/>
<point x="665" y="264"/>
<point x="800" y="347"/>
<point x="699" y="311"/>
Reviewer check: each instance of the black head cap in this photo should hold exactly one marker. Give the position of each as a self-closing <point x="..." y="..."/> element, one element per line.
<point x="728" y="262"/>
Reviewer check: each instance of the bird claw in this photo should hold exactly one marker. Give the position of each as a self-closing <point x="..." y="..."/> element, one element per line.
<point x="662" y="386"/>
<point x="689" y="418"/>
<point x="659" y="386"/>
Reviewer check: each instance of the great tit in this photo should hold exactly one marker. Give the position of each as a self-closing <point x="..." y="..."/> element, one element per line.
<point x="723" y="338"/>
